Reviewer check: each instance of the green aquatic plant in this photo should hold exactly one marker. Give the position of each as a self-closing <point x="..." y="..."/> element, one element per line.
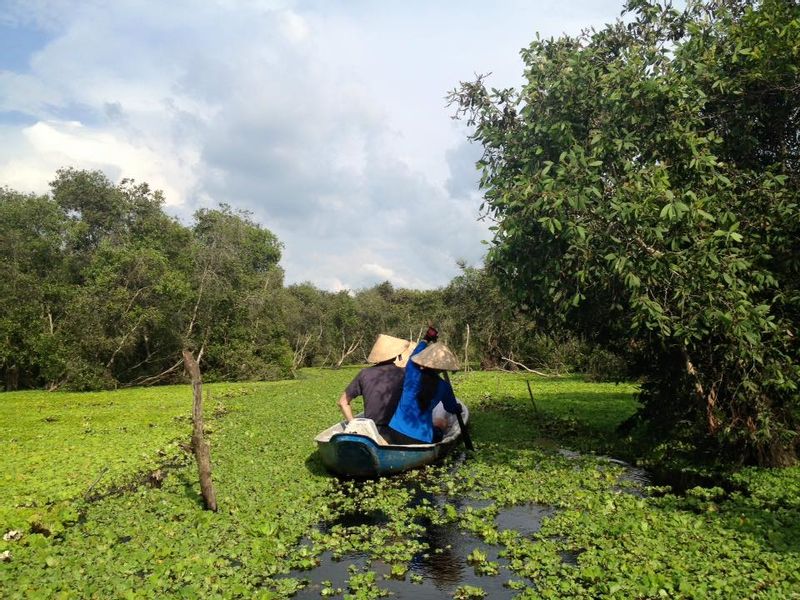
<point x="468" y="592"/>
<point x="327" y="590"/>
<point x="280" y="511"/>
<point x="479" y="561"/>
<point x="363" y="587"/>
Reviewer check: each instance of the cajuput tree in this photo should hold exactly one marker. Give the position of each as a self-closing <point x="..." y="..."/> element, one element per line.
<point x="644" y="182"/>
<point x="234" y="315"/>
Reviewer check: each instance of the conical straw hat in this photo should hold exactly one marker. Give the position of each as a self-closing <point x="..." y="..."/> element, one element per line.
<point x="386" y="348"/>
<point x="403" y="360"/>
<point x="437" y="356"/>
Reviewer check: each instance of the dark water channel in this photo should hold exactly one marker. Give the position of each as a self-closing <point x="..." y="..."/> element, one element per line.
<point x="438" y="571"/>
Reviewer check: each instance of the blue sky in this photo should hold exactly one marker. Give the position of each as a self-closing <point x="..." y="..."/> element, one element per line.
<point x="325" y="119"/>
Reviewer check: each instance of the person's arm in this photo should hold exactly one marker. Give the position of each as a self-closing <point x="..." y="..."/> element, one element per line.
<point x="413" y="370"/>
<point x="448" y="398"/>
<point x="419" y="348"/>
<point x="344" y="406"/>
<point x="351" y="391"/>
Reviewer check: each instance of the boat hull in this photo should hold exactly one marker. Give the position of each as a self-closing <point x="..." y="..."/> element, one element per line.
<point x="357" y="455"/>
<point x="356" y="449"/>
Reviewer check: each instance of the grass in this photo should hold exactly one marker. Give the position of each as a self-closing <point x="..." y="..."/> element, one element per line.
<point x="138" y="540"/>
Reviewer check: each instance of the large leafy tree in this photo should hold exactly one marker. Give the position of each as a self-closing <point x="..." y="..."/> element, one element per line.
<point x="128" y="268"/>
<point x="645" y="186"/>
<point x="234" y="316"/>
<point x="99" y="288"/>
<point x="34" y="288"/>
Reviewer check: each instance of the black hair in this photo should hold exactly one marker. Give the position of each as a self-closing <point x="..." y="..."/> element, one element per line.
<point x="427" y="389"/>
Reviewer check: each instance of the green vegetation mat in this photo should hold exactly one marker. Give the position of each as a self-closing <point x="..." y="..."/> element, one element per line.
<point x="141" y="531"/>
<point x="56" y="445"/>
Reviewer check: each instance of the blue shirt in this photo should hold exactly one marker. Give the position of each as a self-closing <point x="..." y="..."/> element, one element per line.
<point x="408" y="419"/>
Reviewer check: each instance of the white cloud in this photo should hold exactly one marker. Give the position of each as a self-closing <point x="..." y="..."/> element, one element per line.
<point x="327" y="120"/>
<point x="294" y="26"/>
<point x="51" y="145"/>
<point x="379" y="271"/>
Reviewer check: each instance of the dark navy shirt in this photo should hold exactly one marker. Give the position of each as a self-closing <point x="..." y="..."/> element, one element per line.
<point x="381" y="386"/>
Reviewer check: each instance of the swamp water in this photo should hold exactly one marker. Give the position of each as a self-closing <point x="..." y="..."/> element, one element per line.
<point x="447" y="560"/>
<point x="433" y="573"/>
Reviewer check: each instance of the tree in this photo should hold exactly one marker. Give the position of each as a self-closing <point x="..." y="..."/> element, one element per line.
<point x="306" y="323"/>
<point x="645" y="186"/>
<point x="234" y="316"/>
<point x="34" y="288"/>
<point x="100" y="288"/>
<point x="127" y="272"/>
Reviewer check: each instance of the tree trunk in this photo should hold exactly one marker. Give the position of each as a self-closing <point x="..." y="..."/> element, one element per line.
<point x="778" y="454"/>
<point x="12" y="378"/>
<point x="347" y="350"/>
<point x="202" y="453"/>
<point x="466" y="351"/>
<point x="709" y="400"/>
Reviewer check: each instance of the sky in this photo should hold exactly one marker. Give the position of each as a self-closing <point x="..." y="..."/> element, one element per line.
<point x="327" y="120"/>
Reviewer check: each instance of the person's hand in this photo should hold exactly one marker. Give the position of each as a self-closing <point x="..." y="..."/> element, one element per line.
<point x="431" y="335"/>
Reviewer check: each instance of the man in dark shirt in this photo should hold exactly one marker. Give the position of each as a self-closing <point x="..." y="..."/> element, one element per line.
<point x="380" y="385"/>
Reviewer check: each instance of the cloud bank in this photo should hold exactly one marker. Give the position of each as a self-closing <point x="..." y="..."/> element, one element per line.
<point x="326" y="120"/>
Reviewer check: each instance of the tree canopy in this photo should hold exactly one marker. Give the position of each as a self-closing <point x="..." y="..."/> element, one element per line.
<point x="99" y="287"/>
<point x="645" y="185"/>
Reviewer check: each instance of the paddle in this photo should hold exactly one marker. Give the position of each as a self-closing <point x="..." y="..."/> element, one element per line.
<point x="461" y="424"/>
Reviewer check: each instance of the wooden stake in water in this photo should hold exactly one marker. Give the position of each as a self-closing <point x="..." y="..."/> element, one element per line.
<point x="202" y="453"/>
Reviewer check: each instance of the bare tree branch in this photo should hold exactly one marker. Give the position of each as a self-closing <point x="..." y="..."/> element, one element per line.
<point x="466" y="351"/>
<point x="348" y="350"/>
<point x="153" y="378"/>
<point x="528" y="369"/>
<point x="301" y="350"/>
<point x="122" y="343"/>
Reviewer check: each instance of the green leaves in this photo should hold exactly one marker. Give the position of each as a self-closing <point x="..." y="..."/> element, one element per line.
<point x="674" y="211"/>
<point x="680" y="168"/>
<point x="114" y="288"/>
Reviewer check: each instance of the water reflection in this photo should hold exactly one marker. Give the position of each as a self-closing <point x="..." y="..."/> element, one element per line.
<point x="436" y="572"/>
<point x="525" y="519"/>
<point x="355" y="519"/>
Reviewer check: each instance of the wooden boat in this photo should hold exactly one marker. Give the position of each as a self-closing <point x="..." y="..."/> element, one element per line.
<point x="356" y="449"/>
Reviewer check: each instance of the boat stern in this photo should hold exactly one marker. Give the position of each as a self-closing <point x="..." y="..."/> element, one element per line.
<point x="352" y="455"/>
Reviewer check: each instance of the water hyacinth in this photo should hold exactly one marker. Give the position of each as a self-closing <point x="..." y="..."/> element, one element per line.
<point x="440" y="530"/>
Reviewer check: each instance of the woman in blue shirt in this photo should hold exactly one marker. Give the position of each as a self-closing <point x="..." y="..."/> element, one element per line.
<point x="423" y="389"/>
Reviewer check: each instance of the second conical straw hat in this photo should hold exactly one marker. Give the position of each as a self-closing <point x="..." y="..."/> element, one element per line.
<point x="387" y="347"/>
<point x="403" y="360"/>
<point x="437" y="356"/>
